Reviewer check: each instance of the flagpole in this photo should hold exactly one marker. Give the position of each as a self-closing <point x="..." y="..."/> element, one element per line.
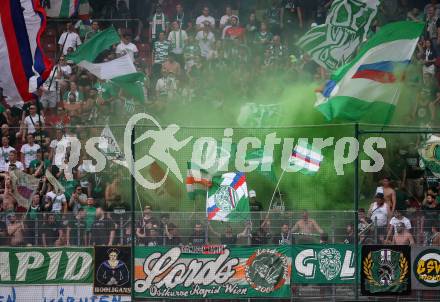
<point x="274" y="191"/>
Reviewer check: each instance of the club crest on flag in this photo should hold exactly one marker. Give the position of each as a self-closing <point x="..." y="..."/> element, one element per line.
<point x="227" y="197"/>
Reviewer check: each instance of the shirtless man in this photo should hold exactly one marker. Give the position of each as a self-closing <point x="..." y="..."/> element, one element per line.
<point x="402" y="237"/>
<point x="307" y="228"/>
<point x="15" y="230"/>
<point x="389" y="193"/>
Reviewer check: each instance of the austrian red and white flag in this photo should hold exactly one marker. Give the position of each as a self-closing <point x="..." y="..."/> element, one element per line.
<point x="23" y="67"/>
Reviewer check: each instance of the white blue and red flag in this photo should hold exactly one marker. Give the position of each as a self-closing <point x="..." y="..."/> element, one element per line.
<point x="227" y="198"/>
<point x="305" y="158"/>
<point x="24" y="67"/>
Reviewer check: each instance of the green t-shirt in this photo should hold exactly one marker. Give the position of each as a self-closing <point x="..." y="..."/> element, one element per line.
<point x="34" y="164"/>
<point x="90" y="216"/>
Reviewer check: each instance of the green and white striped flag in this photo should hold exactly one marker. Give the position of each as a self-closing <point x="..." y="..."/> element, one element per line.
<point x="368" y="88"/>
<point x="334" y="43"/>
<point x="120" y="72"/>
<point x="61" y="8"/>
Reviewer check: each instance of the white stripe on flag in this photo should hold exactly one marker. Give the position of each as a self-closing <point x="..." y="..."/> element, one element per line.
<point x="10" y="90"/>
<point x="368" y="90"/>
<point x="109" y="70"/>
<point x="308" y="153"/>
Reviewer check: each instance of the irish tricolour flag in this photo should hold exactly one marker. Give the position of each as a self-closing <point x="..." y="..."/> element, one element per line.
<point x="227" y="198"/>
<point x="368" y="88"/>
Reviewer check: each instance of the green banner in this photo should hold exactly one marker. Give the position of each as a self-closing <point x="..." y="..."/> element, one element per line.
<point x="324" y="264"/>
<point x="35" y="266"/>
<point x="212" y="272"/>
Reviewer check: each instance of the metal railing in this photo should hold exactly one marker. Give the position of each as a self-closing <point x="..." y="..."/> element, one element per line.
<point x="86" y="228"/>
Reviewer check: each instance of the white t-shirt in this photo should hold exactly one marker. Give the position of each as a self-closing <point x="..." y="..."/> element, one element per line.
<point x="60" y="148"/>
<point x="30" y="121"/>
<point x="4" y="157"/>
<point x="201" y="20"/>
<point x="129" y="48"/>
<point x="66" y="70"/>
<point x="30" y="153"/>
<point x="57" y="201"/>
<point x="206" y="42"/>
<point x="394" y="222"/>
<point x="73" y="40"/>
<point x="177" y="39"/>
<point x="18" y="165"/>
<point x="381" y="214"/>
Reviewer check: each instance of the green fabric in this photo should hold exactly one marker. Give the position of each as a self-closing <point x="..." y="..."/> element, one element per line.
<point x="90" y="216"/>
<point x="352" y="109"/>
<point x="69" y="186"/>
<point x="34" y="164"/>
<point x="90" y="50"/>
<point x="260" y="272"/>
<point x="106" y="89"/>
<point x="132" y="85"/>
<point x="321" y="274"/>
<point x="73" y="266"/>
<point x="390" y="32"/>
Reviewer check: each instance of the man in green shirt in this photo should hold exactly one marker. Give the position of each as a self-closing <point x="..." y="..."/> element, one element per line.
<point x="90" y="217"/>
<point x="38" y="166"/>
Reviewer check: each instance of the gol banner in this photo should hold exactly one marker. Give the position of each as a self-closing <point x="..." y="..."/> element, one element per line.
<point x="212" y="272"/>
<point x="324" y="264"/>
<point x="425" y="268"/>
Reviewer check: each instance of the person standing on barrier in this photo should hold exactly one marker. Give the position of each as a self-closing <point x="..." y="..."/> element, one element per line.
<point x="379" y="213"/>
<point x="306" y="229"/>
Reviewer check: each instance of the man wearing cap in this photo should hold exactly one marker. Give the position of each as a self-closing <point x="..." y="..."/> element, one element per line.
<point x="379" y="213"/>
<point x="255" y="207"/>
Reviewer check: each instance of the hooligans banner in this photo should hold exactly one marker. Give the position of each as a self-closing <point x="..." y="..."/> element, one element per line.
<point x="38" y="266"/>
<point x="426" y="268"/>
<point x="324" y="264"/>
<point x="212" y="272"/>
<point x="386" y="270"/>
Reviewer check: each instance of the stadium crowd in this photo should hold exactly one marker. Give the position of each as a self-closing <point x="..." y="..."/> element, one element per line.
<point x="185" y="48"/>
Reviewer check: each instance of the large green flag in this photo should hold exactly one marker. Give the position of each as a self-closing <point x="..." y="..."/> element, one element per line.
<point x="90" y="50"/>
<point x="334" y="43"/>
<point x="132" y="84"/>
<point x="367" y="89"/>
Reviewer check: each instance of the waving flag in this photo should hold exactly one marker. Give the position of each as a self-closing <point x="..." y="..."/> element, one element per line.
<point x="334" y="43"/>
<point x="368" y="88"/>
<point x="198" y="180"/>
<point x="228" y="198"/>
<point x="22" y="60"/>
<point x="62" y="8"/>
<point x="305" y="158"/>
<point x="24" y="187"/>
